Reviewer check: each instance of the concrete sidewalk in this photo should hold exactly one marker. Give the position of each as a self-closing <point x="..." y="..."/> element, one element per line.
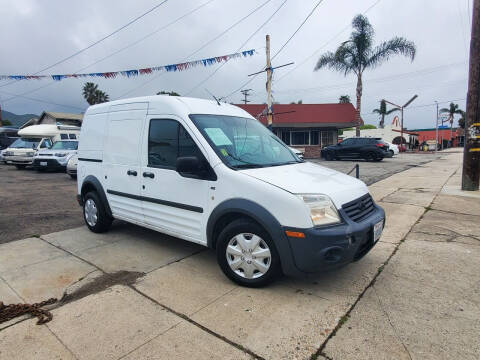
<point x="133" y="293"/>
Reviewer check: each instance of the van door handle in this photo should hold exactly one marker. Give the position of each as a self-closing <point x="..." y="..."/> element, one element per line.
<point x="149" y="174"/>
<point x="132" y="172"/>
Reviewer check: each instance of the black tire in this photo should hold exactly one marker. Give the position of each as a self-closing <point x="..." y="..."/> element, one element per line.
<point x="73" y="176"/>
<point x="20" y="167"/>
<point x="370" y="156"/>
<point x="329" y="156"/>
<point x="250" y="227"/>
<point x="104" y="221"/>
<point x="391" y="153"/>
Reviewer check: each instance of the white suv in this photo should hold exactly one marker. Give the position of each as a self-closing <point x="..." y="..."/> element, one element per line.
<point x="209" y="173"/>
<point x="56" y="157"/>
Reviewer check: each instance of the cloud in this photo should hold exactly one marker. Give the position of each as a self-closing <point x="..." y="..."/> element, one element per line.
<point x="35" y="34"/>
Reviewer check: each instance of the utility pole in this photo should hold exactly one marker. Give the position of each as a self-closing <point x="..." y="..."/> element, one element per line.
<point x="471" y="153"/>
<point x="269" y="84"/>
<point x="436" y="128"/>
<point x="1" y="122"/>
<point x="246" y="94"/>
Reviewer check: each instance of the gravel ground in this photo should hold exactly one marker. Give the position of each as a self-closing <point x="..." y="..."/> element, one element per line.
<point x="33" y="203"/>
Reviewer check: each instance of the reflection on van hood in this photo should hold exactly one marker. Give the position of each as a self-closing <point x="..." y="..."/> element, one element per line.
<point x="309" y="178"/>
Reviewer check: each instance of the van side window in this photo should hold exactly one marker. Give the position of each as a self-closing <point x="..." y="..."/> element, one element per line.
<point x="168" y="140"/>
<point x="64" y="136"/>
<point x="163" y="143"/>
<point x="72" y="136"/>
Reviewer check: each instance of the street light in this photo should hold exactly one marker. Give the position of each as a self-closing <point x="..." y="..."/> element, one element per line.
<point x="401" y="110"/>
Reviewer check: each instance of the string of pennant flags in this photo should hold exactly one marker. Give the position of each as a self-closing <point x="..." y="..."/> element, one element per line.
<point x="132" y="73"/>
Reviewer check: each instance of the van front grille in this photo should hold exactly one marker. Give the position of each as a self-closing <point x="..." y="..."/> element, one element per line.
<point x="359" y="209"/>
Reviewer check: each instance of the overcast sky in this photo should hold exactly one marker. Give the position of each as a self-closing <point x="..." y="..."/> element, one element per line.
<point x="35" y="34"/>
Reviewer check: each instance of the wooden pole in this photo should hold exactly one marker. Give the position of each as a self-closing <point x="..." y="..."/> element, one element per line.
<point x="269" y="84"/>
<point x="471" y="153"/>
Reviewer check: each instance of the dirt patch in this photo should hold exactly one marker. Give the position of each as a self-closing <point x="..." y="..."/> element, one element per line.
<point x="101" y="283"/>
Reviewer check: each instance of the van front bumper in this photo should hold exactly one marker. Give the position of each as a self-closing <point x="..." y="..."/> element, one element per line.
<point x="326" y="248"/>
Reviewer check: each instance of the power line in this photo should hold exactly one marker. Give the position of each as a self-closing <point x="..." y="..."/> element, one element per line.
<point x="96" y="42"/>
<point x="200" y="48"/>
<point x="326" y="43"/>
<point x="303" y="23"/>
<point x="381" y="79"/>
<point x="240" y="47"/>
<point x="278" y="52"/>
<point x="122" y="49"/>
<point x="44" y="101"/>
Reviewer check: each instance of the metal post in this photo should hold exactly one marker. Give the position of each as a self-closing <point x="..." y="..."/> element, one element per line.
<point x="436" y="129"/>
<point x="357" y="171"/>
<point x="401" y="129"/>
<point x="269" y="83"/>
<point x="471" y="154"/>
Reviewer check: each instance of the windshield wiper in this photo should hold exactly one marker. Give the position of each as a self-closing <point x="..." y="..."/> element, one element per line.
<point x="248" y="166"/>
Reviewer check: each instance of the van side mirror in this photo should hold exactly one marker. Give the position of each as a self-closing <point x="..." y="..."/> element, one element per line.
<point x="188" y="165"/>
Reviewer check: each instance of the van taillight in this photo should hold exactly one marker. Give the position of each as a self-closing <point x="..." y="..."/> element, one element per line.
<point x="380" y="144"/>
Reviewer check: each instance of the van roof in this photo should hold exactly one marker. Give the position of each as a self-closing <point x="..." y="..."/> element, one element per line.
<point x="175" y="104"/>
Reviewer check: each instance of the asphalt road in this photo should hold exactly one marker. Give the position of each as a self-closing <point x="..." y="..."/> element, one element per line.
<point x="371" y="172"/>
<point x="33" y="203"/>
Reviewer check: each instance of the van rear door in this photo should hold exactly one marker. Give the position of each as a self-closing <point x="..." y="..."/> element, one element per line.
<point x="122" y="159"/>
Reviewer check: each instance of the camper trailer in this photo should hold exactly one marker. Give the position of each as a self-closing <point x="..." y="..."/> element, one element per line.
<point x="36" y="137"/>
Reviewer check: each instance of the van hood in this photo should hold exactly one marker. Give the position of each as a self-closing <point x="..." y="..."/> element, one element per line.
<point x="309" y="178"/>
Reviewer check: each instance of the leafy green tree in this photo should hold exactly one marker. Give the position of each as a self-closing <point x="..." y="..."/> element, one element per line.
<point x="344" y="99"/>
<point x="170" y="93"/>
<point x="382" y="111"/>
<point x="358" y="54"/>
<point x="461" y="121"/>
<point x="93" y="95"/>
<point x="6" y="122"/>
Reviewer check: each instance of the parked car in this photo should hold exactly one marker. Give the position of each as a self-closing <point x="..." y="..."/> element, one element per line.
<point x="370" y="149"/>
<point x="8" y="135"/>
<point x="179" y="166"/>
<point x="72" y="166"/>
<point x="56" y="157"/>
<point x="297" y="152"/>
<point x="1" y="157"/>
<point x="21" y="152"/>
<point x="392" y="149"/>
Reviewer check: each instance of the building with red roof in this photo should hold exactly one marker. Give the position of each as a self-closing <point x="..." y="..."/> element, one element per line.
<point x="308" y="127"/>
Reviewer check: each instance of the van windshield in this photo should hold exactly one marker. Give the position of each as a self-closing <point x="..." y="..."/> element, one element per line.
<point x="65" y="145"/>
<point x="25" y="143"/>
<point x="243" y="142"/>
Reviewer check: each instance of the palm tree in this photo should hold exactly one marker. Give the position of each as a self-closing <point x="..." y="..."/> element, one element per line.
<point x="93" y="95"/>
<point x="382" y="111"/>
<point x="344" y="99"/>
<point x="358" y="53"/>
<point x="451" y="111"/>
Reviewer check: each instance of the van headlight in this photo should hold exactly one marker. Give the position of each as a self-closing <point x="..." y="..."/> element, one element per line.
<point x="60" y="155"/>
<point x="31" y="153"/>
<point x="322" y="209"/>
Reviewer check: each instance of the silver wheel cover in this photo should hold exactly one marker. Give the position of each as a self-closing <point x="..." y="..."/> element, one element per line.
<point x="248" y="255"/>
<point x="91" y="212"/>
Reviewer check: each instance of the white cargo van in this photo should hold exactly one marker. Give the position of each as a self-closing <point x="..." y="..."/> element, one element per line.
<point x="211" y="174"/>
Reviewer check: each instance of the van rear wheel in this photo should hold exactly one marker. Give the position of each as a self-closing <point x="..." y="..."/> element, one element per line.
<point x="20" y="167"/>
<point x="247" y="255"/>
<point x="94" y="213"/>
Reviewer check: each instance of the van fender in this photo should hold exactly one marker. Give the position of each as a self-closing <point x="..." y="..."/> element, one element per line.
<point x="260" y="215"/>
<point x="91" y="182"/>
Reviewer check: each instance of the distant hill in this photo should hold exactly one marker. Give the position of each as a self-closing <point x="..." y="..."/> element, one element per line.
<point x="17" y="120"/>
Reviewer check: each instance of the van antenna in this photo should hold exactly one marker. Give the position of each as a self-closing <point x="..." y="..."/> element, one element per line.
<point x="217" y="100"/>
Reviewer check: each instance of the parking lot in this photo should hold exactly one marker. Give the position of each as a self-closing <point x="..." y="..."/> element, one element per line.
<point x="134" y="293"/>
<point x="34" y="203"/>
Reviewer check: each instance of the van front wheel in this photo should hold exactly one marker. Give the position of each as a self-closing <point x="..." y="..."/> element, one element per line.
<point x="94" y="213"/>
<point x="246" y="254"/>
